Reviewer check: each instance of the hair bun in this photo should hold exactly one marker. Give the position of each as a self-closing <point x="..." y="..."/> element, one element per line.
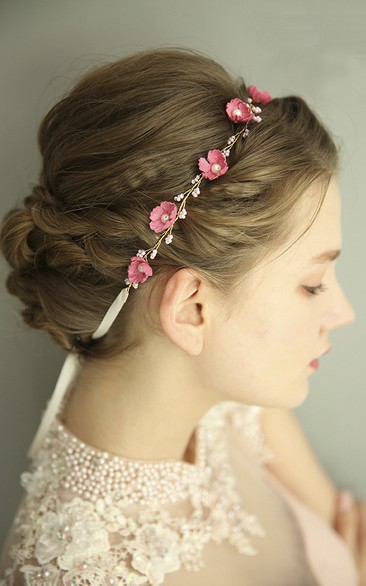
<point x="15" y="230"/>
<point x="126" y="133"/>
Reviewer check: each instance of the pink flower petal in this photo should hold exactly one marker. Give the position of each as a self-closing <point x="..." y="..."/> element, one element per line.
<point x="155" y="214"/>
<point x="204" y="165"/>
<point x="163" y="216"/>
<point x="136" y="275"/>
<point x="215" y="166"/>
<point x="238" y="111"/>
<point x="261" y="97"/>
<point x="216" y="156"/>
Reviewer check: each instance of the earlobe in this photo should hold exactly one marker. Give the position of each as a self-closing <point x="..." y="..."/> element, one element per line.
<point x="181" y="311"/>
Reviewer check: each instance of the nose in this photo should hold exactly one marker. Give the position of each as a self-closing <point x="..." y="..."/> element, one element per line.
<point x="342" y="312"/>
<point x="349" y="312"/>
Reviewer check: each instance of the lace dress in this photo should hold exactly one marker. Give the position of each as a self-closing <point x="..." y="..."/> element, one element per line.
<point x="93" y="518"/>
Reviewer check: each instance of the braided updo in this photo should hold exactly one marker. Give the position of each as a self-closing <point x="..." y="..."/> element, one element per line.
<point x="127" y="136"/>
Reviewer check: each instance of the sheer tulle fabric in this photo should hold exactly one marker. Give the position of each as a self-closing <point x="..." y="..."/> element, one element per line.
<point x="230" y="522"/>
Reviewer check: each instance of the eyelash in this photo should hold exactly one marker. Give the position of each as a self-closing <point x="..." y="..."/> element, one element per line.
<point x="316" y="290"/>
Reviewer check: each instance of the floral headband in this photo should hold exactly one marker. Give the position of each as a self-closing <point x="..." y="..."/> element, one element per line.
<point x="164" y="216"/>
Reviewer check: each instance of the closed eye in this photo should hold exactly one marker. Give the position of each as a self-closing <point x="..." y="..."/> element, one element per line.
<point x="316" y="290"/>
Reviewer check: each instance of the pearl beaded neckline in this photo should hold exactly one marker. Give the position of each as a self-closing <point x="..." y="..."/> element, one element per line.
<point x="77" y="526"/>
<point x="91" y="473"/>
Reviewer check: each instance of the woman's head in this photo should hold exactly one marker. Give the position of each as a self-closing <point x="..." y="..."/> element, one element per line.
<point x="284" y="312"/>
<point x="126" y="136"/>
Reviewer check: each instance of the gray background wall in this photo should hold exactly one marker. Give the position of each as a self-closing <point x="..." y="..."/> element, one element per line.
<point x="316" y="48"/>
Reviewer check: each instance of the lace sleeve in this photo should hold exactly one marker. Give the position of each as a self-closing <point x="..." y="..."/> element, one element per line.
<point x="78" y="544"/>
<point x="91" y="534"/>
<point x="8" y="571"/>
<point x="247" y="421"/>
<point x="86" y="520"/>
<point x="59" y="539"/>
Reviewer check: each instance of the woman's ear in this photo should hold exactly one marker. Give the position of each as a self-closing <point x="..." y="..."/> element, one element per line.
<point x="182" y="311"/>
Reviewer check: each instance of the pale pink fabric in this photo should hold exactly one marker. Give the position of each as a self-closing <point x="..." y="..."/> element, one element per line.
<point x="329" y="557"/>
<point x="79" y="542"/>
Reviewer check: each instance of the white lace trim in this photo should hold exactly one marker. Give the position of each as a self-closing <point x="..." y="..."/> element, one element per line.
<point x="247" y="421"/>
<point x="63" y="538"/>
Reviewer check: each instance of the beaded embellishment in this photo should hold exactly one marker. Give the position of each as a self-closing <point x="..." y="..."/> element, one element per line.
<point x="92" y="474"/>
<point x="164" y="216"/>
<point x="93" y="518"/>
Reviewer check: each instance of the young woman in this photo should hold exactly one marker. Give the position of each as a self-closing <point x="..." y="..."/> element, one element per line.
<point x="181" y="245"/>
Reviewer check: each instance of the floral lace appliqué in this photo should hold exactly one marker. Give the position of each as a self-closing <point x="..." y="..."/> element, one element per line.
<point x="65" y="539"/>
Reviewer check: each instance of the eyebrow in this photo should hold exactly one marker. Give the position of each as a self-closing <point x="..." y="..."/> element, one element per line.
<point x="329" y="255"/>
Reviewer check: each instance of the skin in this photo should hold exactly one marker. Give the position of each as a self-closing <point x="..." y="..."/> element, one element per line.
<point x="147" y="404"/>
<point x="266" y="348"/>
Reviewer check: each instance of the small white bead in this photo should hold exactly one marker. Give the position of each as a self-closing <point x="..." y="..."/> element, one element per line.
<point x="164" y="218"/>
<point x="216" y="168"/>
<point x="95" y="475"/>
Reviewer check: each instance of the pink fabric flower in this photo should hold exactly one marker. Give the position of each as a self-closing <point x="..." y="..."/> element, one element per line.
<point x="214" y="166"/>
<point x="238" y="111"/>
<point x="139" y="270"/>
<point x="163" y="216"/>
<point x="261" y="97"/>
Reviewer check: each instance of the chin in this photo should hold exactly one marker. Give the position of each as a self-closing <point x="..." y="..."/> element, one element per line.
<point x="300" y="398"/>
<point x="292" y="399"/>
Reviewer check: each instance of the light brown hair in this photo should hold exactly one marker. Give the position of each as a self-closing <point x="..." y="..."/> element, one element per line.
<point x="126" y="137"/>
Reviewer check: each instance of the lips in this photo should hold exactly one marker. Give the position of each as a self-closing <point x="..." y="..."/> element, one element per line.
<point x="315" y="363"/>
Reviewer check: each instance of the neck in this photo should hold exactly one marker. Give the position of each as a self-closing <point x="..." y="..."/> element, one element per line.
<point x="140" y="406"/>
